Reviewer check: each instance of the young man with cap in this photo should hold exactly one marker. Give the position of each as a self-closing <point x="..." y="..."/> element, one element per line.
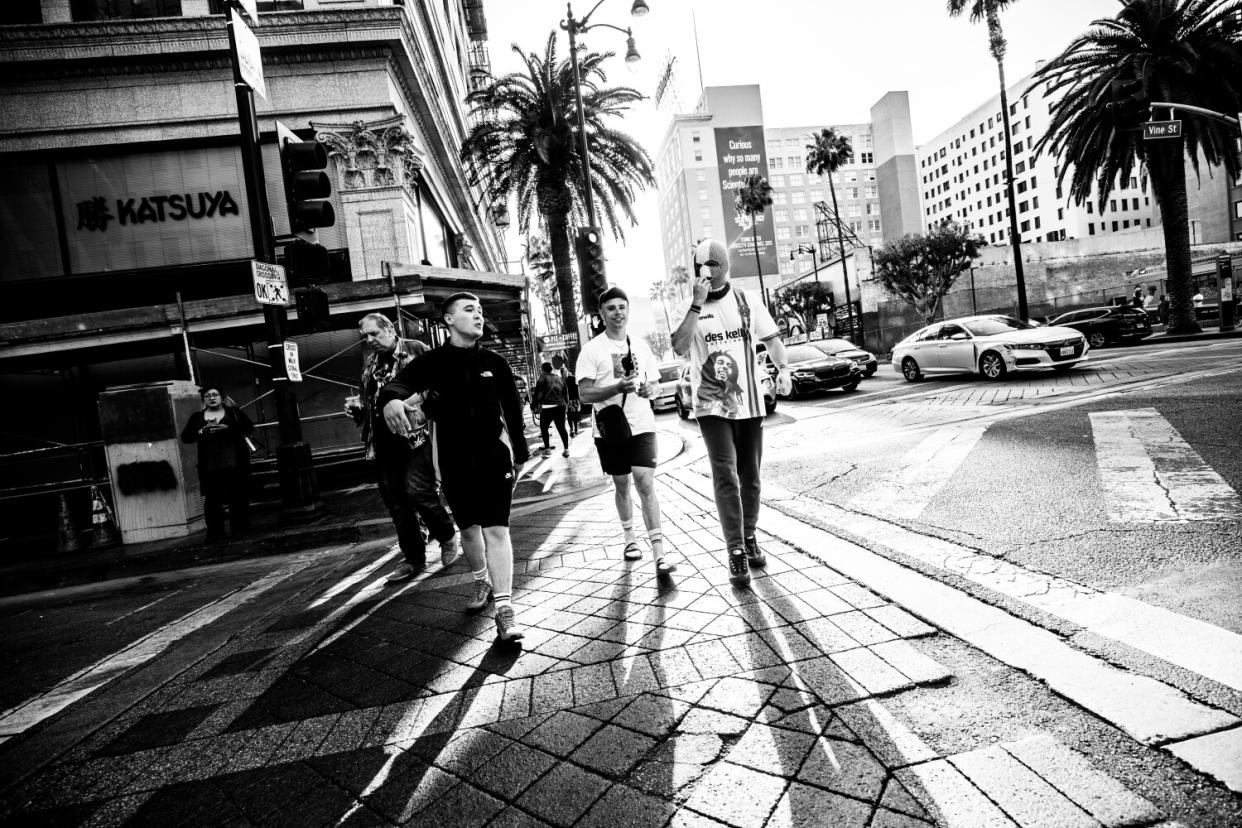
<point x="472" y="398"/>
<point x="719" y="332"/>
<point x="613" y="370"/>
<point x="403" y="465"/>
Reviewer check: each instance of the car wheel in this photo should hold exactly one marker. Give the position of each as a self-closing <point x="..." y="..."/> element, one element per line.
<point x="1097" y="339"/>
<point x="681" y="410"/>
<point x="853" y="386"/>
<point x="992" y="365"/>
<point x="871" y="371"/>
<point x="910" y="370"/>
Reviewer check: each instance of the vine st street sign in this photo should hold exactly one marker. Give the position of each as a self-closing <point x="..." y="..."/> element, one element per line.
<point x="1153" y="130"/>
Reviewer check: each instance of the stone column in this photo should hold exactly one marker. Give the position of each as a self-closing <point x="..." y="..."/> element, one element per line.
<point x="378" y="166"/>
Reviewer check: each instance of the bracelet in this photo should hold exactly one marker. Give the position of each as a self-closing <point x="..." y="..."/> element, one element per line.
<point x="696" y="308"/>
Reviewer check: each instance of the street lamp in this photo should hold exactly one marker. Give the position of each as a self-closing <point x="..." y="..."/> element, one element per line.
<point x="806" y="248"/>
<point x="575" y="26"/>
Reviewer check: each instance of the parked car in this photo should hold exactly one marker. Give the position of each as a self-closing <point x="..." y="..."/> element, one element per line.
<point x="988" y="345"/>
<point x="670" y="374"/>
<point x="848" y="350"/>
<point x="1107" y="325"/>
<point x="813" y="370"/>
<point x="767" y="379"/>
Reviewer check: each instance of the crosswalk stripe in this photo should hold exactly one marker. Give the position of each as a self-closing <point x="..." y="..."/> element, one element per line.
<point x="1149" y="474"/>
<point x="920" y="474"/>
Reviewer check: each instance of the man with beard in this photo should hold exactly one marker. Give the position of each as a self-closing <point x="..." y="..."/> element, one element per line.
<point x="724" y="324"/>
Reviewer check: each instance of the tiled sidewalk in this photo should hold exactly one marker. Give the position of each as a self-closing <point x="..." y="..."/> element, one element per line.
<point x="632" y="703"/>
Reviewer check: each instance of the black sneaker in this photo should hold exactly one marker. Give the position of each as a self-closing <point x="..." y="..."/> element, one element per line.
<point x="754" y="555"/>
<point x="739" y="572"/>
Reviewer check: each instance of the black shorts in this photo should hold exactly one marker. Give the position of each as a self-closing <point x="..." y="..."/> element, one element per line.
<point x="639" y="450"/>
<point x="482" y="500"/>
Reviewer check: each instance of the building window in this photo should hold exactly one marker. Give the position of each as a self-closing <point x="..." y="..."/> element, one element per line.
<point x="18" y="12"/>
<point x="1037" y="222"/>
<point x="1112" y="206"/>
<point x="799" y="197"/>
<point x="782" y="232"/>
<point x="794" y="161"/>
<point x="780" y="197"/>
<point x="1025" y="227"/>
<point x="873" y="192"/>
<point x="1114" y="227"/>
<point x="83" y="10"/>
<point x="799" y="214"/>
<point x="698" y="155"/>
<point x="696" y="137"/>
<point x="866" y="158"/>
<point x="777" y="163"/>
<point x="700" y="175"/>
<point x="1023" y="206"/>
<point x="702" y="195"/>
<point x="780" y="216"/>
<point x="1090" y="208"/>
<point x="1135" y="203"/>
<point x="1060" y="214"/>
<point x="1091" y="228"/>
<point x="1237" y="209"/>
<point x="800" y="231"/>
<point x="778" y="181"/>
<point x="795" y="180"/>
<point x="1034" y="202"/>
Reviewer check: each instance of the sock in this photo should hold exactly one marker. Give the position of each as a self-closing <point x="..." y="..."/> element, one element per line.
<point x="480" y="575"/>
<point x="656" y="538"/>
<point x="503" y="599"/>
<point x="627" y="526"/>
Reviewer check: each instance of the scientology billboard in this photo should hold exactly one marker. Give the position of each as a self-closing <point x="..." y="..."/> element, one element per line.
<point x="740" y="153"/>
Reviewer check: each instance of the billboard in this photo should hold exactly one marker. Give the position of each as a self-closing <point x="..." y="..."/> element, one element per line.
<point x="740" y="152"/>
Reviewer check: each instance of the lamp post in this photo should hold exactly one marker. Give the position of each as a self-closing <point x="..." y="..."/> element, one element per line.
<point x="575" y="26"/>
<point x="806" y="248"/>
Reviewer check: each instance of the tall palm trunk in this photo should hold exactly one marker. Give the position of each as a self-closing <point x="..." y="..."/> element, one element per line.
<point x="558" y="236"/>
<point x="996" y="39"/>
<point x="1168" y="184"/>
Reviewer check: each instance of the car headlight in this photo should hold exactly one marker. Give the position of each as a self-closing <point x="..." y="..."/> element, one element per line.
<point x="804" y="374"/>
<point x="1024" y="346"/>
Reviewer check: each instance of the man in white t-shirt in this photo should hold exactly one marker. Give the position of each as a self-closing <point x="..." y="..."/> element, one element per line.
<point x="613" y="370"/>
<point x="719" y="331"/>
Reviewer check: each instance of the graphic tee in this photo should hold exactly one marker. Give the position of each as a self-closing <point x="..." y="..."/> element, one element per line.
<point x="724" y="374"/>
<point x="600" y="360"/>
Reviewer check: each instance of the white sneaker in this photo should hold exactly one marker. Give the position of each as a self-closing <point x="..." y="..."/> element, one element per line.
<point x="449" y="550"/>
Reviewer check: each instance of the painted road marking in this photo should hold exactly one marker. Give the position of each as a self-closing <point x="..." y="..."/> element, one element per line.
<point x="1149" y="474"/>
<point x="18" y="719"/>
<point x="920" y="474"/>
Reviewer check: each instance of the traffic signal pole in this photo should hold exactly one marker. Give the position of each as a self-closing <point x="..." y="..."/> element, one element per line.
<point x="299" y="490"/>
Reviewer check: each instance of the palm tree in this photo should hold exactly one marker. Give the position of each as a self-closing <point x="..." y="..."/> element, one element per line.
<point x="827" y="153"/>
<point x="679" y="278"/>
<point x="661" y="292"/>
<point x="525" y="144"/>
<point x="752" y="199"/>
<point x="990" y="10"/>
<point x="1182" y="52"/>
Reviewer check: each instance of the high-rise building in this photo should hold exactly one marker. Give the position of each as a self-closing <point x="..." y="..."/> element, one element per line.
<point x="699" y="165"/>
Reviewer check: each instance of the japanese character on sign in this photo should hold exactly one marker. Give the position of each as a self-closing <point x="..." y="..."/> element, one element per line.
<point x="94" y="214"/>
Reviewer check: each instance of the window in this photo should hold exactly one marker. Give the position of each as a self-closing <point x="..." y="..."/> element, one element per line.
<point x="1135" y="203"/>
<point x="795" y="180"/>
<point x="1125" y="225"/>
<point x="1023" y="206"/>
<point x="854" y="211"/>
<point x="696" y="137"/>
<point x="1025" y="226"/>
<point x="873" y="192"/>
<point x="702" y="195"/>
<point x="800" y="231"/>
<point x="1091" y="228"/>
<point x="1090" y="209"/>
<point x="1060" y="214"/>
<point x="82" y="10"/>
<point x="705" y="212"/>
<point x="17" y="12"/>
<point x="1034" y="202"/>
<point x="698" y="155"/>
<point x="1114" y="227"/>
<point x="873" y="209"/>
<point x="1112" y="205"/>
<point x="1019" y="167"/>
<point x="866" y="158"/>
<point x="700" y="175"/>
<point x="782" y="232"/>
<point x="794" y="161"/>
<point x="851" y="192"/>
<point x="1033" y="182"/>
<point x="874" y="225"/>
<point x="1022" y="186"/>
<point x="778" y="181"/>
<point x="799" y="214"/>
<point x="799" y="197"/>
<point x="780" y="216"/>
<point x="777" y="163"/>
<point x="1037" y="222"/>
<point x="780" y="197"/>
<point x="1237" y="209"/>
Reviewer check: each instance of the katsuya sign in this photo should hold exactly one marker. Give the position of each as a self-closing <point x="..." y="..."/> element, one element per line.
<point x="94" y="213"/>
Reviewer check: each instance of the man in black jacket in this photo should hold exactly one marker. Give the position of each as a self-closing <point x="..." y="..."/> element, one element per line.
<point x="550" y="400"/>
<point x="472" y="399"/>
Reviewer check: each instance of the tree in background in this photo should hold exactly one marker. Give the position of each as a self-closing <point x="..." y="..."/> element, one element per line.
<point x="1180" y="51"/>
<point x="751" y="200"/>
<point x="806" y="299"/>
<point x="661" y="292"/>
<point x="920" y="268"/>
<point x="660" y="343"/>
<point x="824" y="156"/>
<point x="990" y="10"/>
<point x="679" y="278"/>
<point x="525" y="144"/>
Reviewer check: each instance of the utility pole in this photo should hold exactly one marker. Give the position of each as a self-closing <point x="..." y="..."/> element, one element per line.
<point x="299" y="490"/>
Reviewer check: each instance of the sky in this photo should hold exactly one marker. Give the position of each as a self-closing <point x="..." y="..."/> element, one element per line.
<point x="816" y="61"/>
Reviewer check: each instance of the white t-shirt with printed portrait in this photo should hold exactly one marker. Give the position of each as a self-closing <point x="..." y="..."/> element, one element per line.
<point x="724" y="372"/>
<point x="600" y="360"/>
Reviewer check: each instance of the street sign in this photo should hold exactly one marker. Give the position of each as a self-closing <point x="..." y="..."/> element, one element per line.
<point x="270" y="285"/>
<point x="1162" y="129"/>
<point x="292" y="369"/>
<point x="249" y="58"/>
<point x="559" y="342"/>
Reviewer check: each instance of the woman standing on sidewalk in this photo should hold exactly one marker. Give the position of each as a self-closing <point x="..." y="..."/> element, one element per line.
<point x="220" y="430"/>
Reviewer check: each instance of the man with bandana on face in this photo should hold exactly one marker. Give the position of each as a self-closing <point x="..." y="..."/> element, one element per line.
<point x="723" y="325"/>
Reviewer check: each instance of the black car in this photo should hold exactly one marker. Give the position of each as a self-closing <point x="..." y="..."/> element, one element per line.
<point x="1115" y="324"/>
<point x="813" y="370"/>
<point x="847" y="350"/>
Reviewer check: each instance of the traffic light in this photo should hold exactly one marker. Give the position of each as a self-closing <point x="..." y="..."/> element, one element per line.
<point x="306" y="185"/>
<point x="313" y="311"/>
<point x="589" y="247"/>
<point x="307" y="263"/>
<point x="1129" y="102"/>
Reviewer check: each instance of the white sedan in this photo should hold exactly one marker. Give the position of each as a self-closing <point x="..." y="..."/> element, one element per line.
<point x="988" y="345"/>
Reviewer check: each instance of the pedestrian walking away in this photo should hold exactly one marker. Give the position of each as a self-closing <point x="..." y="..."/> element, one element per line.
<point x="471" y="397"/>
<point x="574" y="409"/>
<point x="403" y="465"/>
<point x="221" y="430"/>
<point x="615" y="374"/>
<point x="551" y="399"/>
<point x="719" y="332"/>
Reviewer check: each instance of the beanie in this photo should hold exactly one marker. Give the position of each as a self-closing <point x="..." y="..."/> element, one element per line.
<point x="613" y="292"/>
<point x="710" y="250"/>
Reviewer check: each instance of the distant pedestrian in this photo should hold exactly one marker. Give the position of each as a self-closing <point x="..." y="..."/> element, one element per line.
<point x="1137" y="299"/>
<point x="574" y="409"/>
<point x="1149" y="301"/>
<point x="1162" y="309"/>
<point x="720" y="332"/>
<point x="220" y="429"/>
<point x="403" y="466"/>
<point x="551" y="400"/>
<point x="472" y="398"/>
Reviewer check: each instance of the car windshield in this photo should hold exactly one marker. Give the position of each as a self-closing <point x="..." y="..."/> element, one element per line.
<point x="802" y="353"/>
<point x="993" y="325"/>
<point x="834" y="346"/>
<point x="668" y="373"/>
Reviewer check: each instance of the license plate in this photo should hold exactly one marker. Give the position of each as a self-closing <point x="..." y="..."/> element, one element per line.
<point x="1067" y="351"/>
